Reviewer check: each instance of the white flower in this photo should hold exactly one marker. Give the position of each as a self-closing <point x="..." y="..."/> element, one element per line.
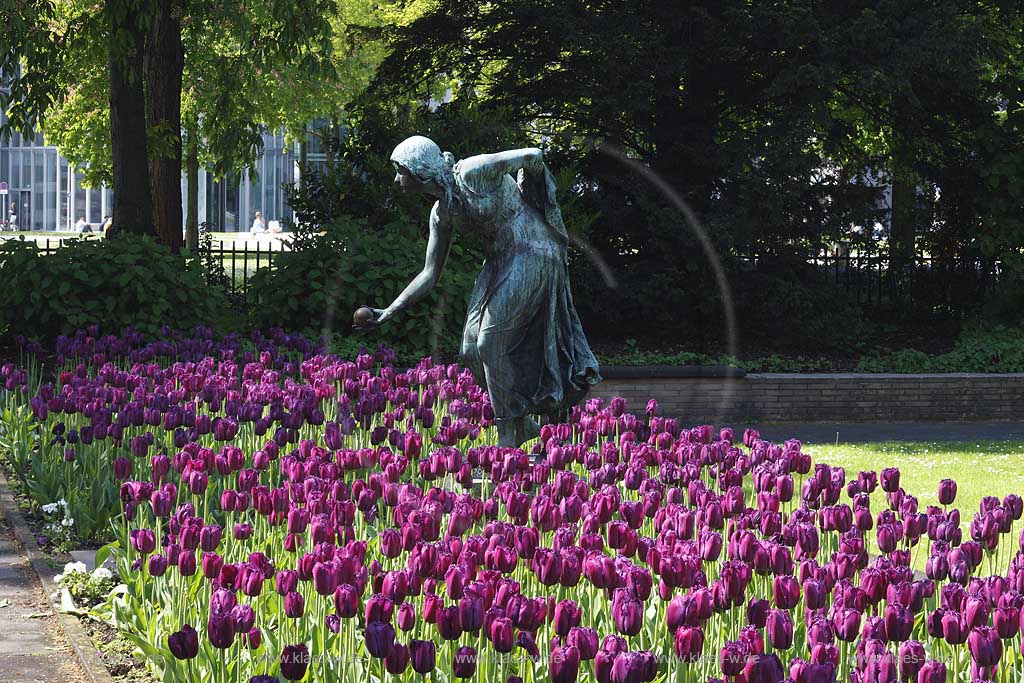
<point x="75" y="567"/>
<point x="58" y="578"/>
<point x="63" y="503"/>
<point x="102" y="573"/>
<point x="50" y="508"/>
<point x="69" y="521"/>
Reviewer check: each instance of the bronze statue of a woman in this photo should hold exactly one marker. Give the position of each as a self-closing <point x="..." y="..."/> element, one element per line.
<point x="522" y="340"/>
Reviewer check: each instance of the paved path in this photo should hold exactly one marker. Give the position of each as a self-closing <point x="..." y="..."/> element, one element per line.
<point x="32" y="647"/>
<point x="894" y="431"/>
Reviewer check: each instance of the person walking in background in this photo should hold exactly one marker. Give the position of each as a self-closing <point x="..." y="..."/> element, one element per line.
<point x="259" y="225"/>
<point x="13" y="220"/>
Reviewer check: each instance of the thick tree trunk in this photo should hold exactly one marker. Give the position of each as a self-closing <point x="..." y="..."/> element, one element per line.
<point x="192" y="200"/>
<point x="164" y="64"/>
<point x="132" y="209"/>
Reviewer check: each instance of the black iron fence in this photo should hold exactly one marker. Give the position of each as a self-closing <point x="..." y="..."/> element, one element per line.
<point x="239" y="259"/>
<point x="869" y="279"/>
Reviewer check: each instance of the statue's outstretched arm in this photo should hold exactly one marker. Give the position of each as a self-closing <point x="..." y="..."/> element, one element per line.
<point x="494" y="166"/>
<point x="438" y="245"/>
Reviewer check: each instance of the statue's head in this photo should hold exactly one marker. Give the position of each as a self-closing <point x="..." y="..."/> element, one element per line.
<point x="421" y="166"/>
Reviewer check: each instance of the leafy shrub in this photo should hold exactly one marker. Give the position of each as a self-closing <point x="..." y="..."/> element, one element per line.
<point x="316" y="287"/>
<point x="127" y="281"/>
<point x="980" y="348"/>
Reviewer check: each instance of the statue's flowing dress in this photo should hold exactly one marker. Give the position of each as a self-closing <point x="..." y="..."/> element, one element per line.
<point x="523" y="338"/>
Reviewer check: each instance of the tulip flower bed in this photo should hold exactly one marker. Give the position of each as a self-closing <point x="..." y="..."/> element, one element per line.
<point x="282" y="514"/>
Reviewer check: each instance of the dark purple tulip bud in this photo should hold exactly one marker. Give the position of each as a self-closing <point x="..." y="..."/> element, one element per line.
<point x="212" y="564"/>
<point x="294" y="605"/>
<point x="143" y="540"/>
<point x="732" y="658"/>
<point x="464" y="662"/>
<point x="294" y="662"/>
<point x="899" y="622"/>
<point x="221" y="630"/>
<point x="397" y="660"/>
<point x="448" y="625"/>
<point x="380" y="638"/>
<point x="184" y="644"/>
<point x="763" y="669"/>
<point x="405" y="616"/>
<point x="786" y="592"/>
<point x="471" y="614"/>
<point x="911" y="659"/>
<point x="890" y="479"/>
<point x="286" y="581"/>
<point x="244" y="617"/>
<point x="954" y="631"/>
<point x="187" y="563"/>
<point x="502" y="635"/>
<point x="346" y="601"/>
<point x="422" y="655"/>
<point x="564" y="663"/>
<point x="1006" y="621"/>
<point x="779" y="628"/>
<point x="846" y="623"/>
<point x="585" y="640"/>
<point x="689" y="643"/>
<point x="932" y="672"/>
<point x="757" y="612"/>
<point x="157" y="565"/>
<point x="627" y="613"/>
<point x="122" y="469"/>
<point x="947" y="491"/>
<point x="567" y="615"/>
<point x="815" y="595"/>
<point x="985" y="646"/>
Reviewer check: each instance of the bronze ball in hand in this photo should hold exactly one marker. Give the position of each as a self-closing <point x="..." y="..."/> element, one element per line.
<point x="363" y="316"/>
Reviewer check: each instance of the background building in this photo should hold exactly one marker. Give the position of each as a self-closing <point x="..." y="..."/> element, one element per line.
<point x="50" y="196"/>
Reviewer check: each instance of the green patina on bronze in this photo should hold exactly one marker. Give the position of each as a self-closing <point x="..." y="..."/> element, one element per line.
<point x="523" y="339"/>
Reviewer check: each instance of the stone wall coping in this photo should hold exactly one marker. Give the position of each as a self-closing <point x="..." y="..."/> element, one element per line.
<point x="868" y="376"/>
<point x="671" y="372"/>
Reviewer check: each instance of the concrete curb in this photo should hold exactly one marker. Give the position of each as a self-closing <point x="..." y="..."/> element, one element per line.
<point x="81" y="643"/>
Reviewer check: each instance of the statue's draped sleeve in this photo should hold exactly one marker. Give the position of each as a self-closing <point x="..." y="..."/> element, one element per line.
<point x="539" y="189"/>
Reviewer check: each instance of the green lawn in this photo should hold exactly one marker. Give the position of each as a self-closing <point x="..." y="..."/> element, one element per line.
<point x="983" y="468"/>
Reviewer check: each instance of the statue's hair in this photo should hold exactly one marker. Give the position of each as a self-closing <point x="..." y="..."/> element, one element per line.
<point x="425" y="160"/>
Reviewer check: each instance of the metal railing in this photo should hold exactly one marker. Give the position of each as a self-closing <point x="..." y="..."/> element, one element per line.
<point x="869" y="280"/>
<point x="240" y="258"/>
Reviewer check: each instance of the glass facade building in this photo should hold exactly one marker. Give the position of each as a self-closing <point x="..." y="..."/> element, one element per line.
<point x="49" y="195"/>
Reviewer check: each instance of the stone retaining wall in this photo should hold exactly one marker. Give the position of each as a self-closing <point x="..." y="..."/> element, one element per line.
<point x="820" y="397"/>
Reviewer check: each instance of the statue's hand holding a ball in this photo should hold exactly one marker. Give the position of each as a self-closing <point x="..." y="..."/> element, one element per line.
<point x="367" y="318"/>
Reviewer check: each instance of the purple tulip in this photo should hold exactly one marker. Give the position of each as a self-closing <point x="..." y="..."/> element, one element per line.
<point x="184" y="644"/>
<point x="947" y="491"/>
<point x="380" y="639"/>
<point x="564" y="663"/>
<point x="779" y="629"/>
<point x="985" y="646"/>
<point x="294" y="661"/>
<point x="932" y="672"/>
<point x="464" y="662"/>
<point x="422" y="654"/>
<point x="221" y="630"/>
<point x="688" y="643"/>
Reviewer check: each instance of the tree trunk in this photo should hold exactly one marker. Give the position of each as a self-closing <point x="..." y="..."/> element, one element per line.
<point x="901" y="217"/>
<point x="132" y="209"/>
<point x="164" y="63"/>
<point x="192" y="207"/>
